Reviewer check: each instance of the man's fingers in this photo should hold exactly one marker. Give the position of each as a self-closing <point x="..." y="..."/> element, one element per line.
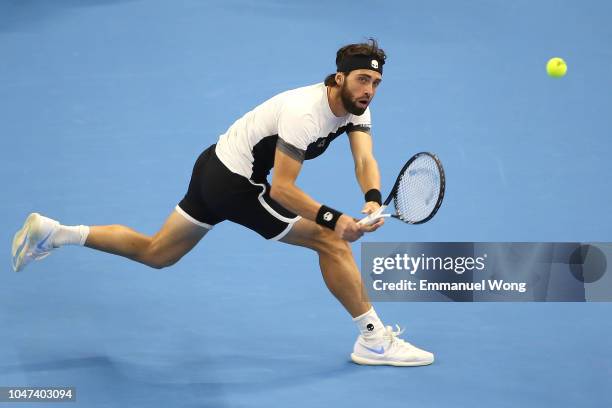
<point x="373" y="227"/>
<point x="369" y="208"/>
<point x="377" y="225"/>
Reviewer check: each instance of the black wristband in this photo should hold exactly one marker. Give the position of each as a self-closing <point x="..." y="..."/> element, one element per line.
<point x="328" y="217"/>
<point x="373" y="195"/>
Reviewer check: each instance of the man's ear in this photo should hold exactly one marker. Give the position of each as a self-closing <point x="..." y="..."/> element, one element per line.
<point x="339" y="78"/>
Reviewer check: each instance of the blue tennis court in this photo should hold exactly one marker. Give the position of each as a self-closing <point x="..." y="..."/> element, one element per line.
<point x="105" y="105"/>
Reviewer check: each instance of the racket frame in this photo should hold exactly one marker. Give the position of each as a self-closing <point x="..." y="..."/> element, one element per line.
<point x="393" y="194"/>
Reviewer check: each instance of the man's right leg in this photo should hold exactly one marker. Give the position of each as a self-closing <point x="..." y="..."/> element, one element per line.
<point x="40" y="235"/>
<point x="183" y="229"/>
<point x="175" y="239"/>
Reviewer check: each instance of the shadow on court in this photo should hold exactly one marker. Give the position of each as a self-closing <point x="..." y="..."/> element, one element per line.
<point x="103" y="379"/>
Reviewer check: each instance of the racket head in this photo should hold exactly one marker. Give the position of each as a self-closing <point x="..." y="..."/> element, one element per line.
<point x="419" y="189"/>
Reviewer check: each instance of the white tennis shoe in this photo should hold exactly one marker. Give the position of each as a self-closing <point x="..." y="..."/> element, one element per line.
<point x="389" y="350"/>
<point x="33" y="241"/>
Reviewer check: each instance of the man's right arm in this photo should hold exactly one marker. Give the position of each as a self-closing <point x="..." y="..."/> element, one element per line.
<point x="290" y="196"/>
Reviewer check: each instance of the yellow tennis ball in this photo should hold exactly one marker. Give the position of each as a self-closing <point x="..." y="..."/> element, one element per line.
<point x="556" y="67"/>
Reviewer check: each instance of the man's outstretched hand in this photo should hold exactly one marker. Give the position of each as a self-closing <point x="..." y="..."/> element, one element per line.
<point x="348" y="229"/>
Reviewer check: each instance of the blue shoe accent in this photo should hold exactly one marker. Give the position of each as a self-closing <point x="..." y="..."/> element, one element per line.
<point x="380" y="350"/>
<point x="39" y="246"/>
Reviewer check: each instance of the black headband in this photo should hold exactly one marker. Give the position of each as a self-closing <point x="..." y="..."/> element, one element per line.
<point x="352" y="62"/>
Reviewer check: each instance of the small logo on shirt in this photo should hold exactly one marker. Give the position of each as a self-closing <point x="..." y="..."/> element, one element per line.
<point x="374" y="64"/>
<point x="328" y="216"/>
<point x="370" y="327"/>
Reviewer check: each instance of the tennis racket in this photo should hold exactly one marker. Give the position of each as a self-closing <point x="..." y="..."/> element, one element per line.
<point x="418" y="191"/>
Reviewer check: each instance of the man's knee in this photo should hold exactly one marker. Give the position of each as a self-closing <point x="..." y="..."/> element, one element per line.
<point x="326" y="242"/>
<point x="161" y="263"/>
<point x="157" y="257"/>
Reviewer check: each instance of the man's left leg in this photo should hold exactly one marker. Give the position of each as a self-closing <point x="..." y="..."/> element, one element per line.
<point x="377" y="345"/>
<point x="336" y="261"/>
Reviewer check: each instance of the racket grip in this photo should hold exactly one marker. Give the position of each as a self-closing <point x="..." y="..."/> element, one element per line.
<point x="375" y="216"/>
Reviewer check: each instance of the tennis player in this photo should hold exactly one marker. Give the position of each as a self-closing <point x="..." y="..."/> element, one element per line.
<point x="230" y="182"/>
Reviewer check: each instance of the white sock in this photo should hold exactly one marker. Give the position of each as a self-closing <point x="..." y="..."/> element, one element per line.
<point x="369" y="324"/>
<point x="70" y="235"/>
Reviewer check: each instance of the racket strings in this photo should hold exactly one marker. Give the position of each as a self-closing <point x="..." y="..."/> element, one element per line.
<point x="418" y="190"/>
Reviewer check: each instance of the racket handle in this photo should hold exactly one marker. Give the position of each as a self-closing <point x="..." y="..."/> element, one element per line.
<point x="375" y="216"/>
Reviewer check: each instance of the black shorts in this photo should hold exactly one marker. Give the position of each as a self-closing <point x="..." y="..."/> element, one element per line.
<point x="216" y="194"/>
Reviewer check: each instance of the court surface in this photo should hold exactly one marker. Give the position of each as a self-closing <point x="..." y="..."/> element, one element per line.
<point x="105" y="104"/>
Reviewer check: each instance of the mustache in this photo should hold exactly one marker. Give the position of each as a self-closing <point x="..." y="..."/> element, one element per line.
<point x="354" y="105"/>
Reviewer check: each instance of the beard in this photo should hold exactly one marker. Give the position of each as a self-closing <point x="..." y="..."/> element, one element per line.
<point x="349" y="104"/>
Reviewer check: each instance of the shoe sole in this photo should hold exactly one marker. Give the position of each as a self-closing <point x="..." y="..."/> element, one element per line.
<point x="23" y="240"/>
<point x="366" y="361"/>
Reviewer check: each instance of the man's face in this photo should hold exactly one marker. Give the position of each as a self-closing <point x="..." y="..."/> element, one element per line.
<point x="358" y="89"/>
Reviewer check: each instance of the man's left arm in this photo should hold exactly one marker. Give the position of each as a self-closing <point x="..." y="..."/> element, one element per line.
<point x="366" y="169"/>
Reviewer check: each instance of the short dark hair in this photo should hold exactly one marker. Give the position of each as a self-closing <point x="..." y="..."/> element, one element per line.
<point x="369" y="48"/>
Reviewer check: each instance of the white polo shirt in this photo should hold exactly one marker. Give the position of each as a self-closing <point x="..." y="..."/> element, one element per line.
<point x="301" y="118"/>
